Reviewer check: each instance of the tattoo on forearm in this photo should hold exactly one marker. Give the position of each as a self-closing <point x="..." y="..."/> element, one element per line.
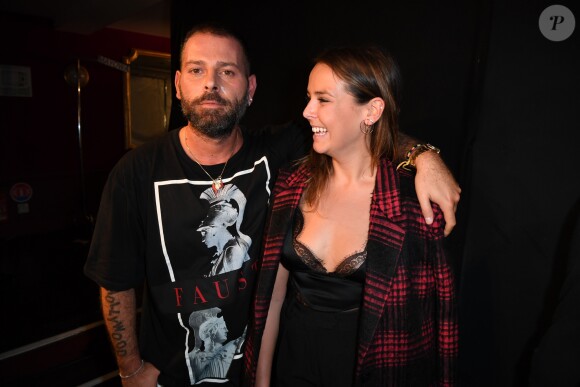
<point x="116" y="325"/>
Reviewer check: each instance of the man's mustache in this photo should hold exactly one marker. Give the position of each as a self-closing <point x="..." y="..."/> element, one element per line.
<point x="212" y="97"/>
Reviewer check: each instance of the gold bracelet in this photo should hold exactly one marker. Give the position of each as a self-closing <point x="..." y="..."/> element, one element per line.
<point x="421" y="148"/>
<point x="413" y="153"/>
<point x="133" y="373"/>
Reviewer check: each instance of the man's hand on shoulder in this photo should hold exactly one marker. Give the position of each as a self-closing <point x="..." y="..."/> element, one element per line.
<point x="435" y="183"/>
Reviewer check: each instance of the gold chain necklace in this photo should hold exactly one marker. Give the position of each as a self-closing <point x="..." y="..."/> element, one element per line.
<point x="217" y="183"/>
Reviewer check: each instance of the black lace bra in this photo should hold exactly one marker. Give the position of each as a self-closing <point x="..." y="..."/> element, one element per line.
<point x="327" y="291"/>
<point x="348" y="265"/>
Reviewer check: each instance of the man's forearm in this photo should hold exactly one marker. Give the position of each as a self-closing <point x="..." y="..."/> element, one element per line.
<point x="119" y="312"/>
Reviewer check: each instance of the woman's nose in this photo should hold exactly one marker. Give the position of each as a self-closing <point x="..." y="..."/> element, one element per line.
<point x="308" y="112"/>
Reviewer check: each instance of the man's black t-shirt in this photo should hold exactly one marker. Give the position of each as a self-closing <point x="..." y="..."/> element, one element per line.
<point x="197" y="249"/>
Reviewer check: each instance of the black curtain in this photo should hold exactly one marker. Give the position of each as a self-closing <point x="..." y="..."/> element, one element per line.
<point x="523" y="195"/>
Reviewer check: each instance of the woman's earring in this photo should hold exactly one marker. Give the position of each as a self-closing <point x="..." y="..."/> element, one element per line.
<point x="366" y="128"/>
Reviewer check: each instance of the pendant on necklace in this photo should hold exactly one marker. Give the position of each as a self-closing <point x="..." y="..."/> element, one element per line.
<point x="217" y="185"/>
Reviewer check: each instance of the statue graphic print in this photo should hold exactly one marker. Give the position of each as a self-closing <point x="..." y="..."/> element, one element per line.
<point x="221" y="229"/>
<point x="213" y="357"/>
<point x="212" y="354"/>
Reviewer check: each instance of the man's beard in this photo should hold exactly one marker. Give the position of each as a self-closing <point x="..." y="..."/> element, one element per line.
<point x="214" y="123"/>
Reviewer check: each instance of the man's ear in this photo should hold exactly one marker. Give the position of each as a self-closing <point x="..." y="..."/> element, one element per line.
<point x="252" y="85"/>
<point x="177" y="80"/>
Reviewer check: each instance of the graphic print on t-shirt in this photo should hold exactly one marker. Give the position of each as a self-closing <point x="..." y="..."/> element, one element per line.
<point x="214" y="359"/>
<point x="208" y="266"/>
<point x="231" y="245"/>
<point x="220" y="229"/>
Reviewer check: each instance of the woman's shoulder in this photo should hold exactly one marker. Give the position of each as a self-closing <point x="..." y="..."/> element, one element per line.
<point x="293" y="172"/>
<point x="407" y="183"/>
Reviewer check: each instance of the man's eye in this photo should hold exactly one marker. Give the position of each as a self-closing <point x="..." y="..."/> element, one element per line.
<point x="229" y="73"/>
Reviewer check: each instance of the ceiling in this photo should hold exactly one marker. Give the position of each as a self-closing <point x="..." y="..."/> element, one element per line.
<point x="150" y="17"/>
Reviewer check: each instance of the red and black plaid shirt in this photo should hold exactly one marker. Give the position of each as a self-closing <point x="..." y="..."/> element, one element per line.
<point x="408" y="331"/>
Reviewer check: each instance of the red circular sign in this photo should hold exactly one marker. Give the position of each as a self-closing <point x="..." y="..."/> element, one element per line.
<point x="21" y="192"/>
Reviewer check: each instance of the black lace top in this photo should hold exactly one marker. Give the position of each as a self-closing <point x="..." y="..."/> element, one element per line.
<point x="339" y="290"/>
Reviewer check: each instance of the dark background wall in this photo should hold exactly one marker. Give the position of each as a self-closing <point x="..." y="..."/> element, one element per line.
<point x="523" y="203"/>
<point x="40" y="134"/>
<point x="480" y="81"/>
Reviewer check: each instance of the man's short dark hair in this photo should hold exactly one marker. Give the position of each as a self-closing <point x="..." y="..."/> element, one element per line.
<point x="218" y="29"/>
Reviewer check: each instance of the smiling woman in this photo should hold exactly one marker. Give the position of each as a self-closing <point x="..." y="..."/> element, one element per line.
<point x="147" y="96"/>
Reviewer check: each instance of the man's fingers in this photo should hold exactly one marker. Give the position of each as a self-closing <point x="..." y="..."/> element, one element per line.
<point x="426" y="209"/>
<point x="450" y="221"/>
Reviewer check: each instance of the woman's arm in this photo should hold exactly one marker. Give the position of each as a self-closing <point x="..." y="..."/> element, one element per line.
<point x="268" y="346"/>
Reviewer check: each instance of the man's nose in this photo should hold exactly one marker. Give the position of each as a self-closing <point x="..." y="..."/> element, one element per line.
<point x="211" y="81"/>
